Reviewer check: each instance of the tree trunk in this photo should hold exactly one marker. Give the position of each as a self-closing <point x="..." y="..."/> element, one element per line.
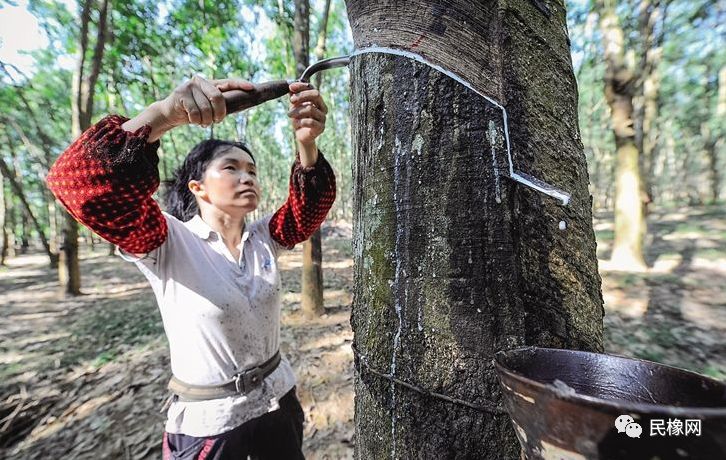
<point x="712" y="147"/>
<point x="79" y="88"/>
<point x="52" y="230"/>
<point x="322" y="38"/>
<point x="301" y="36"/>
<point x="26" y="212"/>
<point x="651" y="37"/>
<point x="312" y="269"/>
<point x="3" y="221"/>
<point x="24" y="231"/>
<point x="312" y="276"/>
<point x="43" y="155"/>
<point x="10" y="216"/>
<point x="69" y="273"/>
<point x="620" y="88"/>
<point x="454" y="262"/>
<point x="711" y="157"/>
<point x="649" y="139"/>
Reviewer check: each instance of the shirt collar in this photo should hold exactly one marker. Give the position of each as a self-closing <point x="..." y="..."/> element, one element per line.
<point x="204" y="231"/>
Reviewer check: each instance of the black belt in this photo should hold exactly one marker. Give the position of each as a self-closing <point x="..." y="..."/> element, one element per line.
<point x="240" y="384"/>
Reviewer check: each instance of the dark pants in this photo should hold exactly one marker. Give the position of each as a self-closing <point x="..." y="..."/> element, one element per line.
<point x="276" y="435"/>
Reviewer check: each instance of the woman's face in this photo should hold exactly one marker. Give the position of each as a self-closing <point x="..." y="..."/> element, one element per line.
<point x="229" y="182"/>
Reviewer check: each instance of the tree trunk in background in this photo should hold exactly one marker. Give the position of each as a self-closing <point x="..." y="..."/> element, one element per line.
<point x="16" y="186"/>
<point x="620" y="81"/>
<point x="3" y="221"/>
<point x="709" y="147"/>
<point x="17" y="181"/>
<point x="651" y="37"/>
<point x="312" y="276"/>
<point x="84" y="82"/>
<point x="322" y="38"/>
<point x="52" y="229"/>
<point x="44" y="155"/>
<point x="24" y="232"/>
<point x="716" y="139"/>
<point x="10" y="217"/>
<point x="301" y="36"/>
<point x="312" y="270"/>
<point x="453" y="261"/>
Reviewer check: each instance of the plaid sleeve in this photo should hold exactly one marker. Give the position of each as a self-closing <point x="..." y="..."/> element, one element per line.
<point x="105" y="180"/>
<point x="310" y="197"/>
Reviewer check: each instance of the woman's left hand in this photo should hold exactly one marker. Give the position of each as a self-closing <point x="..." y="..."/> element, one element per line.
<point x="307" y="111"/>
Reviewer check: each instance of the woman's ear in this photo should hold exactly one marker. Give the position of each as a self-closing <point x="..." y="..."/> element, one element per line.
<point x="197" y="188"/>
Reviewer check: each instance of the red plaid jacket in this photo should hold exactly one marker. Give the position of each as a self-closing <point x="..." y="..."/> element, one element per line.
<point x="107" y="177"/>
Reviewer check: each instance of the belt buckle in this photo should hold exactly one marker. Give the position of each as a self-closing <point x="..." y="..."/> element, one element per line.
<point x="247" y="380"/>
<point x="239" y="384"/>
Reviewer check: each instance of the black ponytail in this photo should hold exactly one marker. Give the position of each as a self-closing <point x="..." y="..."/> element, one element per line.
<point x="180" y="201"/>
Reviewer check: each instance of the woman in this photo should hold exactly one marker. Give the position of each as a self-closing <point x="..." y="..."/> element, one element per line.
<point x="214" y="275"/>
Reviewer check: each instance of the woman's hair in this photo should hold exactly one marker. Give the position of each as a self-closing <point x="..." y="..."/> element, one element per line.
<point x="180" y="201"/>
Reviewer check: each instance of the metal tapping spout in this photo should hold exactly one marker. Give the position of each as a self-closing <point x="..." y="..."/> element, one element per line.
<point x="238" y="100"/>
<point x="325" y="64"/>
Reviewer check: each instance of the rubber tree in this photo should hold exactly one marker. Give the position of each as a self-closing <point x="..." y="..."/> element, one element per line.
<point x="454" y="260"/>
<point x="312" y="269"/>
<point x="85" y="76"/>
<point x="620" y="89"/>
<point x="651" y="35"/>
<point x="718" y="140"/>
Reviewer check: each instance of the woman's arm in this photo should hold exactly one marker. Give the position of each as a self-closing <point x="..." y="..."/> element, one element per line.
<point x="151" y="117"/>
<point x="310" y="196"/>
<point x="105" y="180"/>
<point x="312" y="181"/>
<point x="107" y="177"/>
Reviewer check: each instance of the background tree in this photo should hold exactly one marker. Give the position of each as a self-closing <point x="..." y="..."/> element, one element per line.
<point x="620" y="90"/>
<point x="16" y="185"/>
<point x="312" y="272"/>
<point x="453" y="261"/>
<point x="89" y="61"/>
<point x="141" y="64"/>
<point x="651" y="33"/>
<point x="297" y="29"/>
<point x="676" y="84"/>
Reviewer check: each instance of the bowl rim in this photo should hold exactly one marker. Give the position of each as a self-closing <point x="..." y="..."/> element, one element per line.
<point x="621" y="405"/>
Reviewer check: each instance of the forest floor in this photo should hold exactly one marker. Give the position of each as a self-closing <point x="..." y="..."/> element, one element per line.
<point x="84" y="378"/>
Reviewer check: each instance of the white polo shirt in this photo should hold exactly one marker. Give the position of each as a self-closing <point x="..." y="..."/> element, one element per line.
<point x="221" y="316"/>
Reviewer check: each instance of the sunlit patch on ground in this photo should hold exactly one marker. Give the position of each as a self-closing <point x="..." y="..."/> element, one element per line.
<point x="675" y="311"/>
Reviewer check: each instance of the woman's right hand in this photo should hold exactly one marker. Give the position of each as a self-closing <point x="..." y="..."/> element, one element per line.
<point x="199" y="101"/>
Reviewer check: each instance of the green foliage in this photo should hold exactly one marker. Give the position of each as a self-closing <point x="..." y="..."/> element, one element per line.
<point x="151" y="48"/>
<point x="693" y="53"/>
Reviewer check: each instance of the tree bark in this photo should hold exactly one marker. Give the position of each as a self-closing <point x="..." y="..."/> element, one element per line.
<point x="453" y="261"/>
<point x="620" y="86"/>
<point x="312" y="269"/>
<point x="312" y="276"/>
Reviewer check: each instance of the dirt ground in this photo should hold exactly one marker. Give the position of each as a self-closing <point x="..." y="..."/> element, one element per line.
<point x="83" y="378"/>
<point x="675" y="312"/>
